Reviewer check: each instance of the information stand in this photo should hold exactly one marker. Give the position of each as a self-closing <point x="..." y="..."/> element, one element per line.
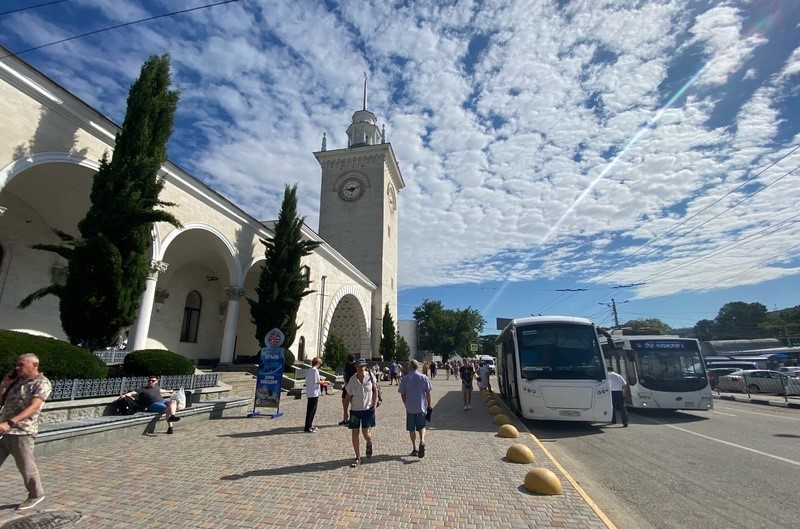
<point x="270" y="376"/>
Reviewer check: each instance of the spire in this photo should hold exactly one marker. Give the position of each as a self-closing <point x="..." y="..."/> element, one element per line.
<point x="364" y="130"/>
<point x="365" y="91"/>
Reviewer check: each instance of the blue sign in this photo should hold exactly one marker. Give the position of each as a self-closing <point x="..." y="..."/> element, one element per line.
<point x="270" y="370"/>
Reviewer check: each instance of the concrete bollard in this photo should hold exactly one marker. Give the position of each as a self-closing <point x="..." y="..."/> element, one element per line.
<point x="542" y="481"/>
<point x="519" y="453"/>
<point x="508" y="431"/>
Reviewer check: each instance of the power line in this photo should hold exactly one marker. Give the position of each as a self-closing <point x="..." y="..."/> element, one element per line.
<point x="95" y="32"/>
<point x="32" y="7"/>
<point x="626" y="259"/>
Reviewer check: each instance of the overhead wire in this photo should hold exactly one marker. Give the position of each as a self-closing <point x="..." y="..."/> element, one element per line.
<point x="19" y="9"/>
<point x="117" y="26"/>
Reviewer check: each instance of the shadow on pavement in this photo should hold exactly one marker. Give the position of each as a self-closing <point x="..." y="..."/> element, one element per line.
<point x="318" y="467"/>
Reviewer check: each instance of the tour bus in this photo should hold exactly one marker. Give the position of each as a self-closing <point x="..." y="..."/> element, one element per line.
<point x="553" y="368"/>
<point x="663" y="372"/>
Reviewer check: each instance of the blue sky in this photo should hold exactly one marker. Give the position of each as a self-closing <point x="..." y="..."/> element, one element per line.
<point x="556" y="154"/>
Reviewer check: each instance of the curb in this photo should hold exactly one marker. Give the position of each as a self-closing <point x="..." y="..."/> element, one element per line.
<point x="589" y="501"/>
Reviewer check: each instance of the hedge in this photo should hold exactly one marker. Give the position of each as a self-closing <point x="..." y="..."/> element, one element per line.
<point x="58" y="360"/>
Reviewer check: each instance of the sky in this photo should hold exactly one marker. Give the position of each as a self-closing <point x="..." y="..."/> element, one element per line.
<point x="560" y="157"/>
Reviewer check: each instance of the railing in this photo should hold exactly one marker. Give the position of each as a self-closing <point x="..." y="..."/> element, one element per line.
<point x="112" y="355"/>
<point x="109" y="387"/>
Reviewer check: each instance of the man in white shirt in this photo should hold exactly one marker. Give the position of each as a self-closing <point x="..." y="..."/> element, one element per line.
<point x="618" y="388"/>
<point x="313" y="385"/>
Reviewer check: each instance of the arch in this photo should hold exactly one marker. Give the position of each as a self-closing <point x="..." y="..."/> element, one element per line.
<point x="231" y="258"/>
<point x="350" y="294"/>
<point x="10" y="171"/>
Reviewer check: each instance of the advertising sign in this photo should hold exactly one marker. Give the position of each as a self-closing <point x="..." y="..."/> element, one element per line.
<point x="270" y="372"/>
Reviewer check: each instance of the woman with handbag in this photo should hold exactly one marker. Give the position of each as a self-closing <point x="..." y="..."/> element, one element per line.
<point x="362" y="399"/>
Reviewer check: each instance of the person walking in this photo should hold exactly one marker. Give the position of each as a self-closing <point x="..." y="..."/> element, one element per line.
<point x="313" y="385"/>
<point x="433" y="369"/>
<point x="415" y="390"/>
<point x="467" y="374"/>
<point x="22" y="394"/>
<point x="483" y="377"/>
<point x="393" y="367"/>
<point x="618" y="386"/>
<point x="349" y="371"/>
<point x="362" y="398"/>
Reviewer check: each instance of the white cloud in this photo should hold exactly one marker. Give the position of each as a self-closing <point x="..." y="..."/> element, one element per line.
<point x="551" y="153"/>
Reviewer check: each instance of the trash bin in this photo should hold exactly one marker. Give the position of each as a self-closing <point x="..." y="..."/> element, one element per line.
<point x="188" y="398"/>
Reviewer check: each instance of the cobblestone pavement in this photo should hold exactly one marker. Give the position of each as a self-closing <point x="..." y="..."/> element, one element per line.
<point x="261" y="472"/>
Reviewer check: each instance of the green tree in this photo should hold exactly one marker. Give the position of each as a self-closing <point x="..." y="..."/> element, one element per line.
<point x="282" y="285"/>
<point x="652" y="323"/>
<point x="704" y="330"/>
<point x="784" y="324"/>
<point x="108" y="263"/>
<point x="444" y="331"/>
<point x="486" y="343"/>
<point x="403" y="352"/>
<point x="388" y="344"/>
<point x="740" y="320"/>
<point x="335" y="352"/>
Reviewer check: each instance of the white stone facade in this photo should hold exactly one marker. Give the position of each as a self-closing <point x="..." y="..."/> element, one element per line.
<point x="50" y="142"/>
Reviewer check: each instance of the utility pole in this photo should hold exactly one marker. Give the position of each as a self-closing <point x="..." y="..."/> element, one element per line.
<point x="613" y="306"/>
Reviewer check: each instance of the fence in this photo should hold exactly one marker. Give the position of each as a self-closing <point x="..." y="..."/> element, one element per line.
<point x="112" y="355"/>
<point x="109" y="387"/>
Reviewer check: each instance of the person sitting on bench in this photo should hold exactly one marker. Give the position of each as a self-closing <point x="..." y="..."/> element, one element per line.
<point x="151" y="399"/>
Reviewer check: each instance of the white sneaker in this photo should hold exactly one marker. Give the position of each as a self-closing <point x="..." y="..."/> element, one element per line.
<point x="30" y="503"/>
<point x="469" y="407"/>
<point x="466" y="408"/>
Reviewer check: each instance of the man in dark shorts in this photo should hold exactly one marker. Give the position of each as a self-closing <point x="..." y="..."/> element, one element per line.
<point x="393" y="373"/>
<point x="349" y="371"/>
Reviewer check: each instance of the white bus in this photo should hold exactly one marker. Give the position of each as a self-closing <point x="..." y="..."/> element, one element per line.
<point x="663" y="372"/>
<point x="552" y="368"/>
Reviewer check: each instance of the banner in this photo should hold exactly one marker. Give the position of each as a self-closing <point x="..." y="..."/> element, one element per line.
<point x="270" y="370"/>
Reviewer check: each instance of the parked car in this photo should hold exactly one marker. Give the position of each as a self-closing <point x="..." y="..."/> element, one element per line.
<point x="715" y="372"/>
<point x="759" y="381"/>
<point x="792" y="371"/>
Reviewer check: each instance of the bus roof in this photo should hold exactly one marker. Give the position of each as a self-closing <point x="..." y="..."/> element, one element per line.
<point x="551" y="319"/>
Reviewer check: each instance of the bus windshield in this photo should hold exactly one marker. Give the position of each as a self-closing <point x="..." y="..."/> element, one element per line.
<point x="669" y="365"/>
<point x="560" y="351"/>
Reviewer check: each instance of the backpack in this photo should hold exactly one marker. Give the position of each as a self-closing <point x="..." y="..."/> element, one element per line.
<point x="126" y="405"/>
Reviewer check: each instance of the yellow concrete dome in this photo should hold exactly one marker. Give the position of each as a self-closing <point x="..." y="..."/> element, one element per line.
<point x="519" y="453"/>
<point x="542" y="481"/>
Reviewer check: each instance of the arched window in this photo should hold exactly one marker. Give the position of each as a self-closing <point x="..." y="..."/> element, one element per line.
<point x="191" y="317"/>
<point x="301" y="349"/>
<point x="305" y="273"/>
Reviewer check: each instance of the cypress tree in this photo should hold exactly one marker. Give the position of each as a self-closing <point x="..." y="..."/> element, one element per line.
<point x="388" y="346"/>
<point x="109" y="263"/>
<point x="282" y="285"/>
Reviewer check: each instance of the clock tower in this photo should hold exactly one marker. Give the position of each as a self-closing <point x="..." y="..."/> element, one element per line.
<point x="358" y="209"/>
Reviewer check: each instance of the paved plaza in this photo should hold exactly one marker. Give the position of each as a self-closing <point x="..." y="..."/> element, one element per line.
<point x="260" y="472"/>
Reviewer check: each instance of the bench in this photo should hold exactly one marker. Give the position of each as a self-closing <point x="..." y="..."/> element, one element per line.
<point x="55" y="437"/>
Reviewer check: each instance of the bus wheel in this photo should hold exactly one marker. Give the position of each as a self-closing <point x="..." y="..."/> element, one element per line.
<point x="752" y="388"/>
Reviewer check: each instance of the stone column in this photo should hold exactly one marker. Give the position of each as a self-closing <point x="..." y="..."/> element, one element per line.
<point x="139" y="338"/>
<point x="234" y="294"/>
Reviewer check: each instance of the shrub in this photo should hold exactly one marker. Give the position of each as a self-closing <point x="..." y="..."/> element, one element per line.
<point x="288" y="360"/>
<point x="335" y="352"/>
<point x="58" y="360"/>
<point x="156" y="362"/>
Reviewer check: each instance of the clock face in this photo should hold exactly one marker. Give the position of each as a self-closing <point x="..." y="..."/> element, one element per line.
<point x="351" y="189"/>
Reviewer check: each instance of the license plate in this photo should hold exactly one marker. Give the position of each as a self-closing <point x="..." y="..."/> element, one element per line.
<point x="569" y="413"/>
<point x="689" y="405"/>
